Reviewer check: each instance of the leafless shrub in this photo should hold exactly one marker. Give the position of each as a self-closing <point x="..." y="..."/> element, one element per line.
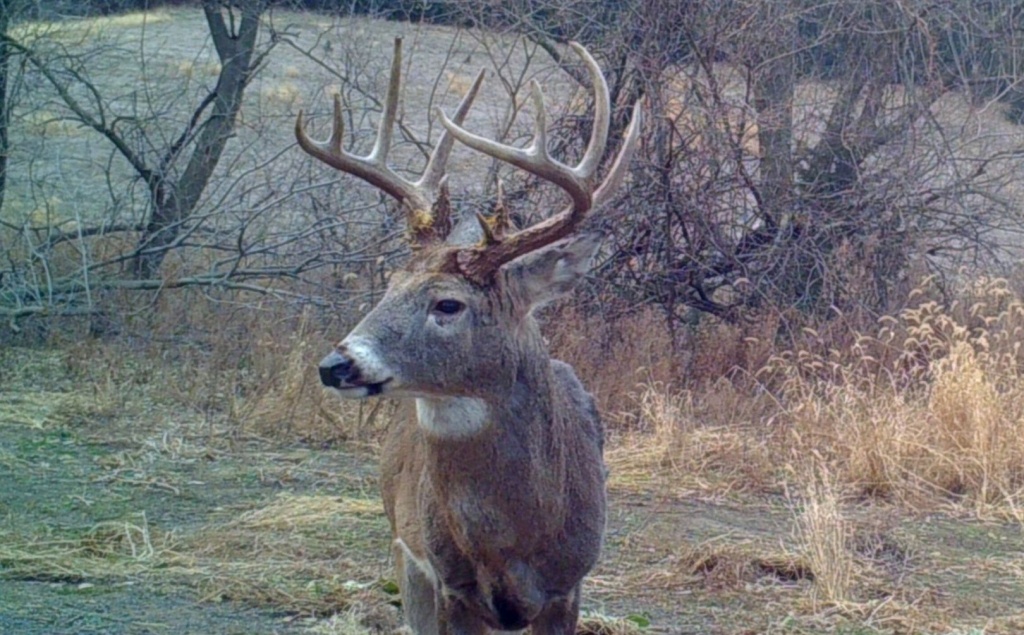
<point x="808" y="161"/>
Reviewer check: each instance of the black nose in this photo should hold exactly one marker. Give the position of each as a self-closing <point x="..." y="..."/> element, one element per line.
<point x="335" y="370"/>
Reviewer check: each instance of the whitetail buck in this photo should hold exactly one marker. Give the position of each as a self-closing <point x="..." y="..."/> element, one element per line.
<point x="495" y="488"/>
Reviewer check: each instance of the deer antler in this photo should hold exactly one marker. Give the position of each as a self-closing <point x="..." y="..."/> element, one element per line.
<point x="481" y="262"/>
<point x="424" y="200"/>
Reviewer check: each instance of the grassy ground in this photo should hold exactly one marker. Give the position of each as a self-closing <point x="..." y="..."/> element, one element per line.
<point x="123" y="518"/>
<point x="123" y="514"/>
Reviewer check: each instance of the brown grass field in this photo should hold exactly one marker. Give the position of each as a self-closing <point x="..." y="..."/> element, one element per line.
<point x="876" y="489"/>
<point x="869" y="479"/>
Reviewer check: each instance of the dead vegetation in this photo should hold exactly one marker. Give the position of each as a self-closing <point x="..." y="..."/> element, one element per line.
<point x="922" y="409"/>
<point x="111" y="549"/>
<point x="917" y="414"/>
<point x="313" y="554"/>
<point x="916" y="418"/>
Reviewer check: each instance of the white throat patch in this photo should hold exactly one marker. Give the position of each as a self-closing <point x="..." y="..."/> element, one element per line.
<point x="452" y="417"/>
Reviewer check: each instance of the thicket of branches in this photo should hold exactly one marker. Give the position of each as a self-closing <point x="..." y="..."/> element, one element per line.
<point x="799" y="157"/>
<point x="66" y="83"/>
<point x="809" y="157"/>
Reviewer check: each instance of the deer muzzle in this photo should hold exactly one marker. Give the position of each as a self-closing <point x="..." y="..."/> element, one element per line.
<point x="337" y="370"/>
<point x="354" y="371"/>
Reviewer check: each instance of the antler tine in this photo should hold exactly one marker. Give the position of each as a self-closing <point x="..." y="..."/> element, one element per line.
<point x="619" y="168"/>
<point x="435" y="169"/>
<point x="480" y="262"/>
<point x="369" y="168"/>
<point x="602" y="115"/>
<point x="417" y="197"/>
<point x="386" y="127"/>
<point x="577" y="182"/>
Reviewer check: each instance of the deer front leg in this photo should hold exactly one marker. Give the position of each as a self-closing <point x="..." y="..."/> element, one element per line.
<point x="419" y="601"/>
<point x="559" y="618"/>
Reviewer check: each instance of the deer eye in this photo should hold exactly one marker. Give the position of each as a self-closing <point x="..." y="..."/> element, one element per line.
<point x="448" y="307"/>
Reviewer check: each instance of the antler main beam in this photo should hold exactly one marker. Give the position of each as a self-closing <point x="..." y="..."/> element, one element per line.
<point x="418" y="197"/>
<point x="578" y="182"/>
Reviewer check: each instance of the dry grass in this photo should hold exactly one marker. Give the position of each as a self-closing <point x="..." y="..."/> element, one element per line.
<point x="616" y="357"/>
<point x="825" y="538"/>
<point x="928" y="410"/>
<point x="694" y="442"/>
<point x="303" y="554"/>
<point x="308" y="554"/>
<point x="254" y="371"/>
<point x="289" y="555"/>
<point x="298" y="512"/>
<point x="290" y="400"/>
<point x="923" y="412"/>
<point x="725" y="564"/>
<point x="51" y="407"/>
<point x="110" y="549"/>
<point x="352" y="621"/>
<point x="831" y="573"/>
<point x="599" y="624"/>
<point x="818" y="430"/>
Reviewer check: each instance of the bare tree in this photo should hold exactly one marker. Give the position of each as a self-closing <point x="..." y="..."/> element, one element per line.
<point x="119" y="184"/>
<point x="74" y="72"/>
<point x="174" y="190"/>
<point x="8" y="11"/>
<point x="174" y="199"/>
<point x="810" y="156"/>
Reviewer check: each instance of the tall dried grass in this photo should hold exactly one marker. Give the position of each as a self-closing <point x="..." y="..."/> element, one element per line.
<point x="825" y="535"/>
<point x="247" y="366"/>
<point x="692" y="440"/>
<point x="295" y="402"/>
<point x="927" y="409"/>
<point x="924" y="408"/>
<point x="614" y="357"/>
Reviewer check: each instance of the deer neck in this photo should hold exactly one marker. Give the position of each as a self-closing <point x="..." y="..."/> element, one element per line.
<point x="514" y="436"/>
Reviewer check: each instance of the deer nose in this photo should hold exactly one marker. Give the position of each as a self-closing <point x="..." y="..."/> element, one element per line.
<point x="336" y="369"/>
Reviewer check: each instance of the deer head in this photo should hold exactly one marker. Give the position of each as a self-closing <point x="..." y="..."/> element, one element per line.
<point x="439" y="312"/>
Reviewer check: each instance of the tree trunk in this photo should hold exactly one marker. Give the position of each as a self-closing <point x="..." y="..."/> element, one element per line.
<point x="5" y="115"/>
<point x="774" y="88"/>
<point x="174" y="201"/>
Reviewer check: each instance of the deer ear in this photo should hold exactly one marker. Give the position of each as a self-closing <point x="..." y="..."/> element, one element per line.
<point x="545" y="274"/>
